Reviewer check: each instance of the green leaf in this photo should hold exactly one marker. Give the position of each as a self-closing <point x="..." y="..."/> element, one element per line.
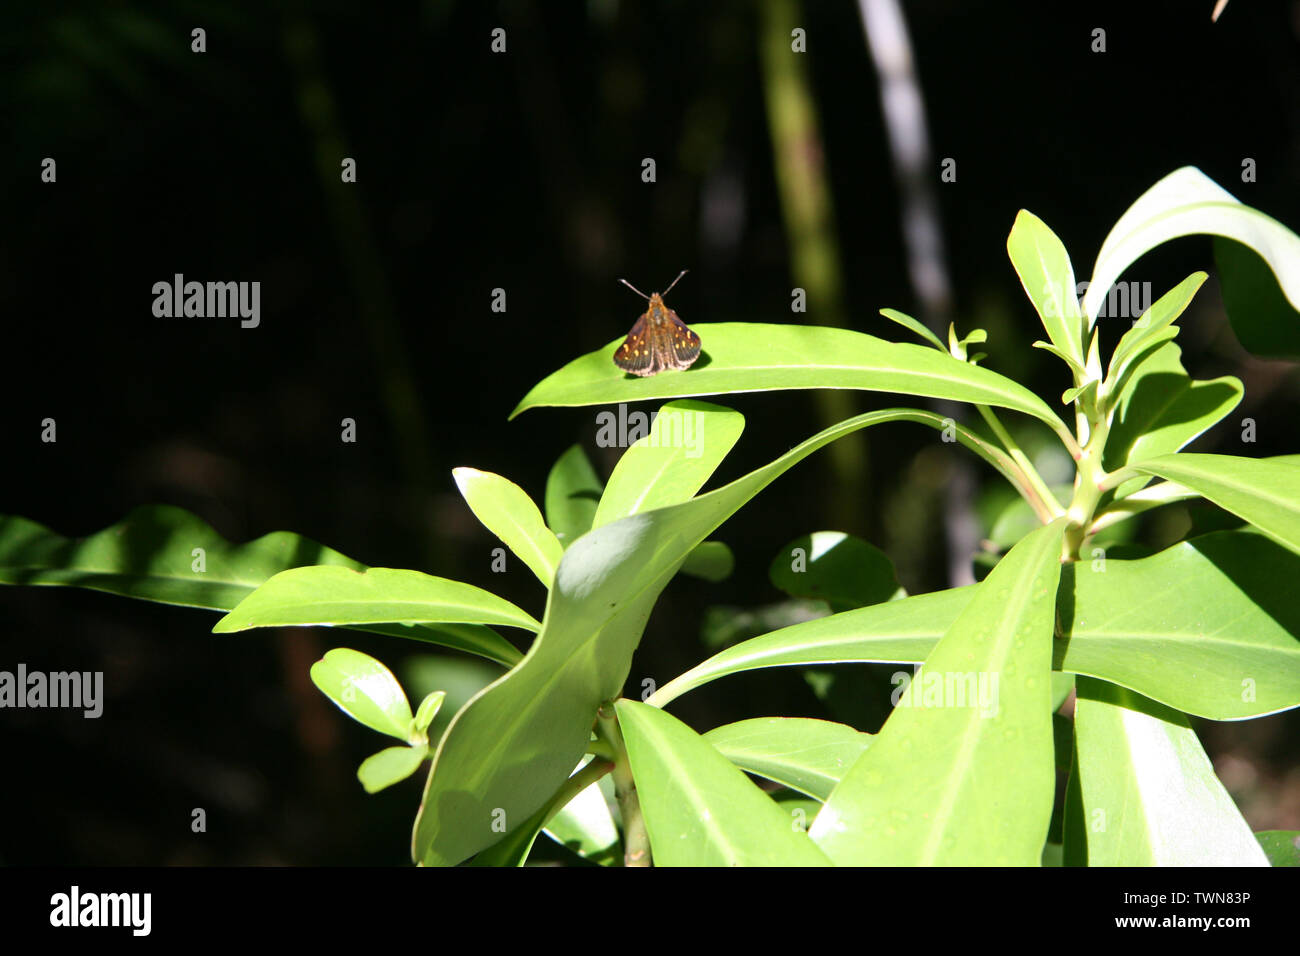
<point x="933" y="786"/>
<point x="1076" y="365"/>
<point x="1070" y="394"/>
<point x="506" y="510"/>
<point x="586" y="826"/>
<point x="513" y="744"/>
<point x="1207" y="626"/>
<point x="699" y="809"/>
<point x="1265" y="493"/>
<point x="1282" y="847"/>
<point x="1149" y="795"/>
<point x="154" y="554"/>
<point x="799" y="809"/>
<point x="755" y="357"/>
<point x="914" y="325"/>
<point x="327" y="595"/>
<point x="1044" y="268"/>
<point x="149" y="554"/>
<point x="807" y="755"/>
<point x="712" y="561"/>
<point x="686" y="443"/>
<point x="835" y="567"/>
<point x="513" y="850"/>
<point x="1162" y="410"/>
<point x="365" y="690"/>
<point x="428" y="710"/>
<point x="1185" y="203"/>
<point x="893" y="632"/>
<point x="391" y="765"/>
<point x="1226" y="651"/>
<point x="1155" y="320"/>
<point x="1267" y="325"/>
<point x="572" y="492"/>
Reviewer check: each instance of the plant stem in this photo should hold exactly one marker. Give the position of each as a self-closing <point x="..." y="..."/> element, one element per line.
<point x="1030" y="473"/>
<point x="636" y="841"/>
<point x="1088" y="489"/>
<point x="579" y="782"/>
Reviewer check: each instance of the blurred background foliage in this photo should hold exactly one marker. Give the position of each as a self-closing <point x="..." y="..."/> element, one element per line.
<point x="522" y="171"/>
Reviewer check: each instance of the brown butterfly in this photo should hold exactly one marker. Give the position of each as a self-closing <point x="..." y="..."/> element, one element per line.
<point x="659" y="340"/>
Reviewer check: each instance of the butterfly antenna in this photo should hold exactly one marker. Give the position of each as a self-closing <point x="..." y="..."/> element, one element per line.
<point x="674" y="282"/>
<point x="635" y="289"/>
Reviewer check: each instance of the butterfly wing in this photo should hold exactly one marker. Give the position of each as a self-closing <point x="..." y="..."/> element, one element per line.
<point x="635" y="354"/>
<point x="659" y="341"/>
<point x="685" y="343"/>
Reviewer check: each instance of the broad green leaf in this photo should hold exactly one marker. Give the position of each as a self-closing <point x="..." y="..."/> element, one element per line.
<point x="1265" y="493"/>
<point x="1185" y="203"/>
<point x="327" y="595"/>
<point x="835" y="567"/>
<point x="807" y="755"/>
<point x="1266" y="324"/>
<point x="1162" y="410"/>
<point x="1282" y="847"/>
<point x="513" y="850"/>
<point x="712" y="561"/>
<point x="164" y="554"/>
<point x="1149" y="796"/>
<point x="933" y="787"/>
<point x="755" y="357"/>
<point x="506" y="510"/>
<point x="156" y="553"/>
<point x="1044" y="268"/>
<point x="1207" y="626"/>
<point x="572" y="491"/>
<point x="699" y="809"/>
<point x="365" y="690"/>
<point x="914" y="325"/>
<point x="1152" y="323"/>
<point x="513" y="744"/>
<point x="894" y="632"/>
<point x="686" y="443"/>
<point x="391" y="765"/>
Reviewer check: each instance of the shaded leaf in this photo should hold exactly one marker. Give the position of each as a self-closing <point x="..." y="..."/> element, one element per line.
<point x="572" y="492"/>
<point x="807" y="755"/>
<point x="1149" y="796"/>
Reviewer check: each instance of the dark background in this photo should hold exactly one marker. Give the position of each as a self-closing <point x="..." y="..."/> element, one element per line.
<point x="519" y="171"/>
